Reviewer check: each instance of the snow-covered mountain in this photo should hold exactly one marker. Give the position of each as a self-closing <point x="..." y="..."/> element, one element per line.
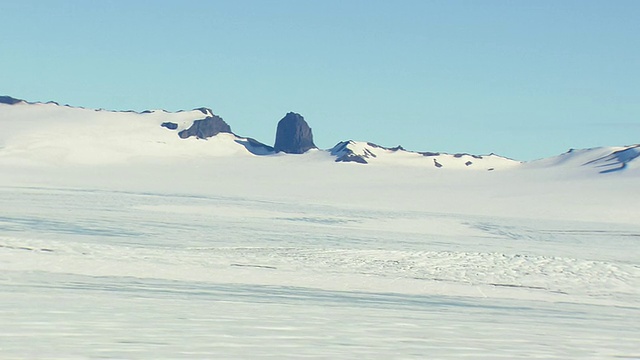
<point x="602" y="160"/>
<point x="366" y="152"/>
<point x="63" y="134"/>
<point x="214" y="245"/>
<point x="51" y="133"/>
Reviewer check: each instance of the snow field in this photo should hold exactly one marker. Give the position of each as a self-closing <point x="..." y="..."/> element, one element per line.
<point x="118" y="239"/>
<point x="122" y="274"/>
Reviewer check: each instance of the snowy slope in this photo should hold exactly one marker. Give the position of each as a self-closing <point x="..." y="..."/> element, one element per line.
<point x="119" y="239"/>
<point x="53" y="134"/>
<point x="602" y="159"/>
<point x="365" y="152"/>
<point x="89" y="273"/>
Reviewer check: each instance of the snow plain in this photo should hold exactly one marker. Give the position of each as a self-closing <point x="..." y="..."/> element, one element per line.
<point x="120" y="240"/>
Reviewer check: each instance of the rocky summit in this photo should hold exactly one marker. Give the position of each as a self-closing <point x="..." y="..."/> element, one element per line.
<point x="207" y="127"/>
<point x="293" y="135"/>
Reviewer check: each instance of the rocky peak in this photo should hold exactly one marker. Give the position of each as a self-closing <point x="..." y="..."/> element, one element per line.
<point x="207" y="127"/>
<point x="359" y="152"/>
<point x="293" y="135"/>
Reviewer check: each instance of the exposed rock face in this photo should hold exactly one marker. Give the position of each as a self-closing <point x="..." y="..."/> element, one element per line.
<point x="351" y="151"/>
<point x="293" y="135"/>
<point x="207" y="127"/>
<point x="429" y="153"/>
<point x="169" y="125"/>
<point x="343" y="151"/>
<point x="9" y="100"/>
<point x="352" y="158"/>
<point x="459" y="155"/>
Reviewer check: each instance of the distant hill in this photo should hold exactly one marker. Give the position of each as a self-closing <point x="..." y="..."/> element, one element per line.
<point x="48" y="132"/>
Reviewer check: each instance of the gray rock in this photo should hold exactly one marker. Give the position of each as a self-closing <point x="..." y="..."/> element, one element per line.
<point x="206" y="128"/>
<point x="169" y="125"/>
<point x="459" y="155"/>
<point x="9" y="100"/>
<point x="352" y="158"/>
<point x="293" y="135"/>
<point x="428" y="153"/>
<point x="343" y="152"/>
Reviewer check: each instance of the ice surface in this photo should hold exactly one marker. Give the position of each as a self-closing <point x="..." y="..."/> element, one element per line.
<point x="138" y="249"/>
<point x="122" y="274"/>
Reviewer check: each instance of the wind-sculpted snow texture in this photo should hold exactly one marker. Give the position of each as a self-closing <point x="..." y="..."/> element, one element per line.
<point x="119" y="239"/>
<point x="169" y="276"/>
<point x="617" y="160"/>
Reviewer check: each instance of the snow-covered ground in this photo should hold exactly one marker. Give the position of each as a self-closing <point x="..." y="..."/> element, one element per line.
<point x="161" y="247"/>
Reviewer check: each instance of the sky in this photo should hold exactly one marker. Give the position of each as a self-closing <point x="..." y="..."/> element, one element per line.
<point x="523" y="79"/>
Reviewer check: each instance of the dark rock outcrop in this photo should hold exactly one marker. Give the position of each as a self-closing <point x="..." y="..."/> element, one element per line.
<point x="293" y="135"/>
<point x="399" y="147"/>
<point x="207" y="127"/>
<point x="205" y="111"/>
<point x="344" y="151"/>
<point x="459" y="155"/>
<point x="169" y="125"/>
<point x="352" y="158"/>
<point x="428" y="153"/>
<point x="9" y="100"/>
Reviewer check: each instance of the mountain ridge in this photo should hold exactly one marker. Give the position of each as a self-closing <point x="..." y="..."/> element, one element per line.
<point x="201" y="124"/>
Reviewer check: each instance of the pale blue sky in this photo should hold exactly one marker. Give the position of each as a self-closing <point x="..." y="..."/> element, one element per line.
<point x="524" y="79"/>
